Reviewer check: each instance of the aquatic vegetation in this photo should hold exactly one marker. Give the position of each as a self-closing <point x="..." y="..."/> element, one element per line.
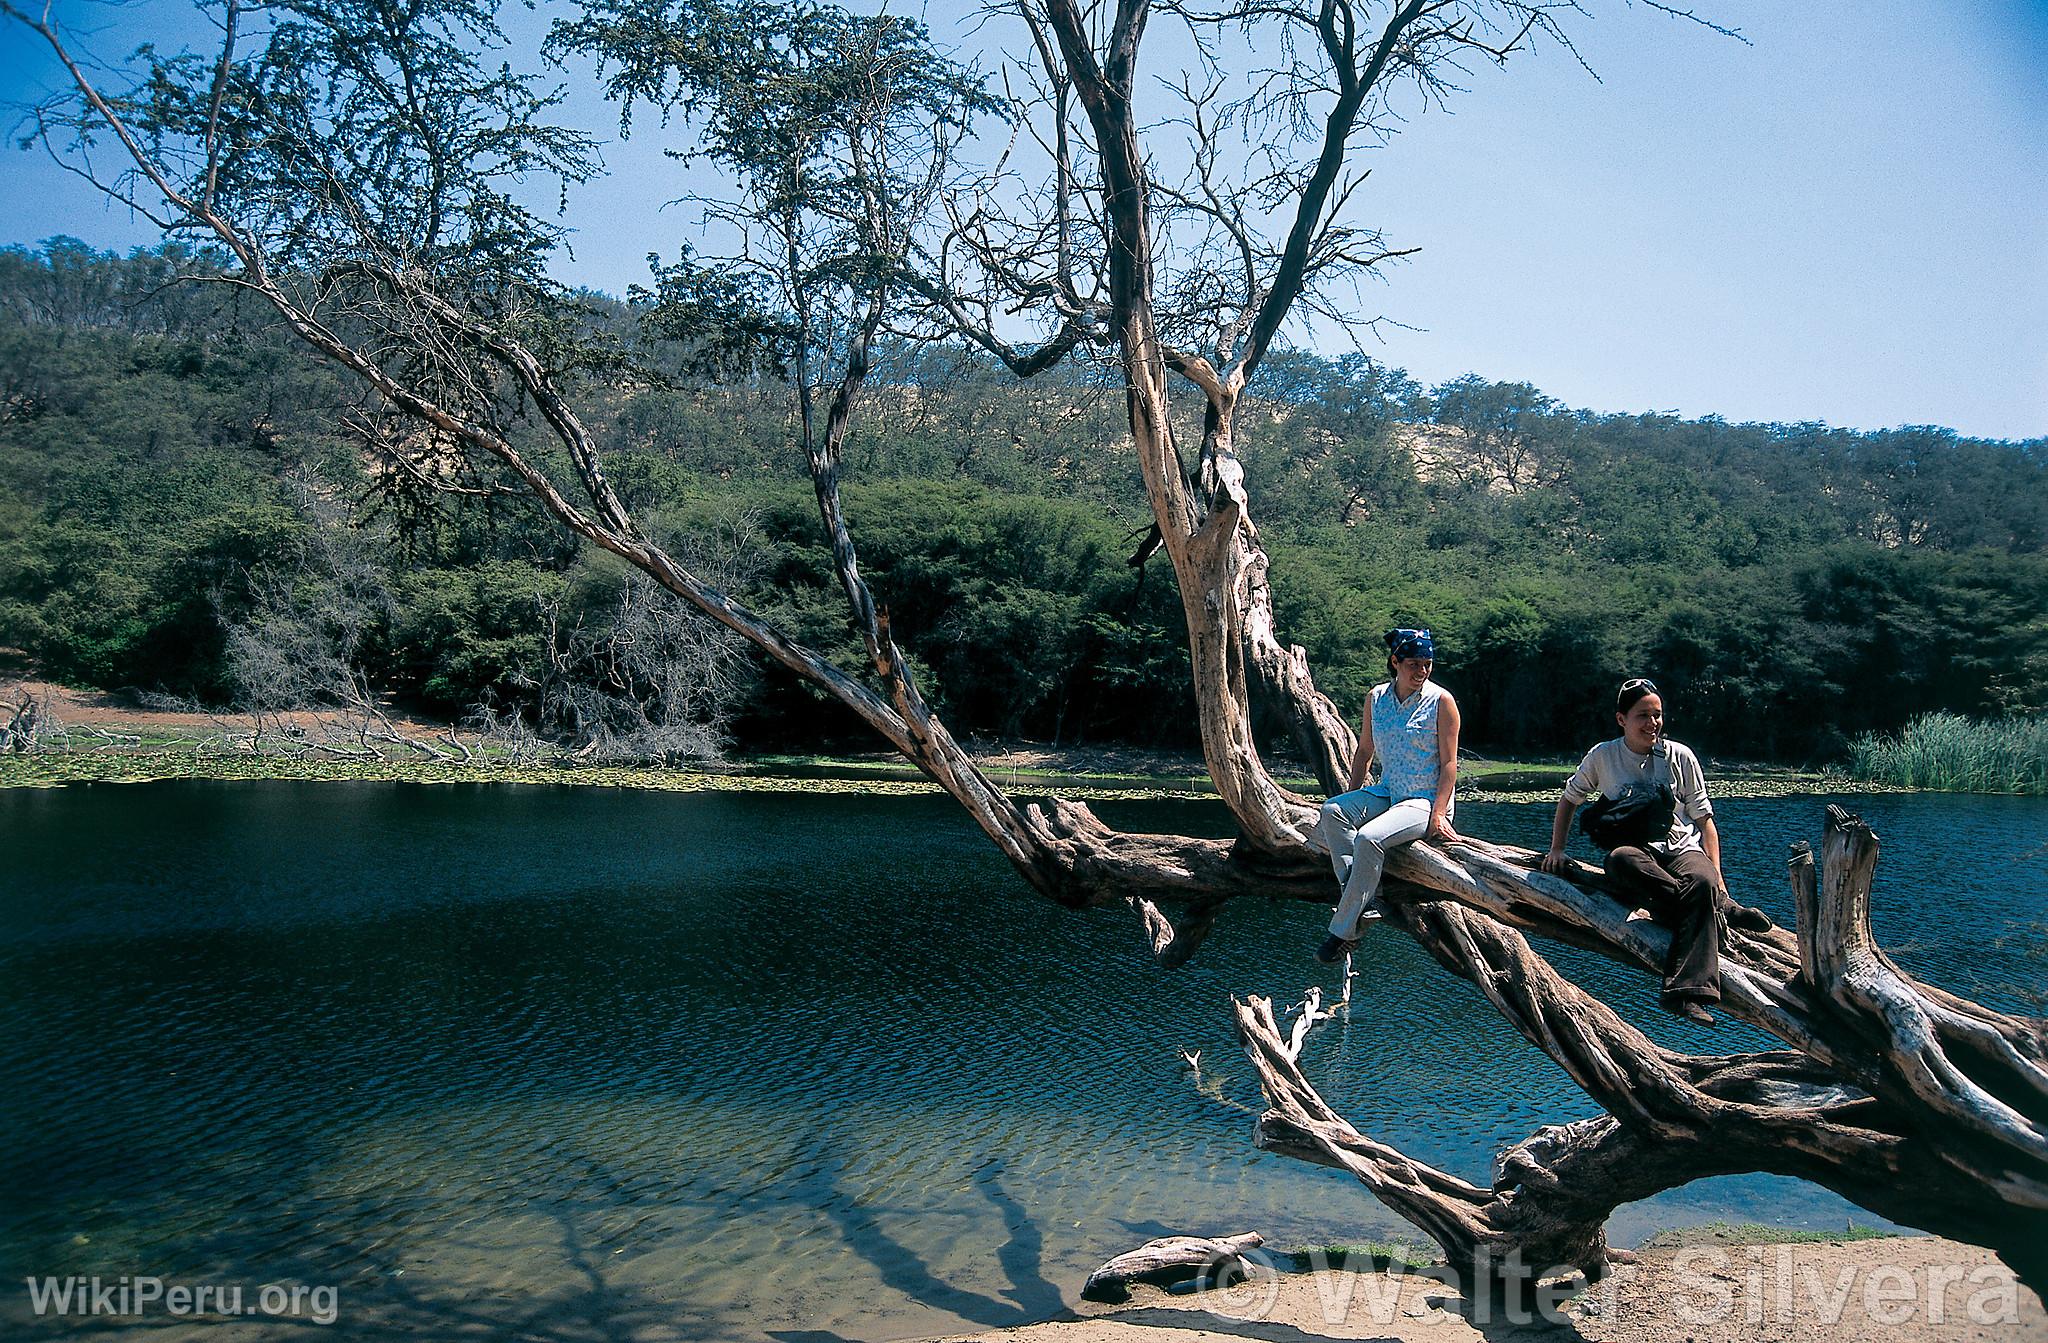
<point x="56" y="770"/>
<point x="144" y="763"/>
<point x="1953" y="754"/>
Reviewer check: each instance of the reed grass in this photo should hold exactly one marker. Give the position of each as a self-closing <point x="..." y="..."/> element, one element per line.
<point x="1948" y="753"/>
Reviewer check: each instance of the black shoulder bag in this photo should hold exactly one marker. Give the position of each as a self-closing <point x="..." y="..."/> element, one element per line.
<point x="1640" y="815"/>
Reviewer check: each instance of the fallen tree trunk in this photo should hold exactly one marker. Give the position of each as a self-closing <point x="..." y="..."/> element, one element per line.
<point x="1919" y="1106"/>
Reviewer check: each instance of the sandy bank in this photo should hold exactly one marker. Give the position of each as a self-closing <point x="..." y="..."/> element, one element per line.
<point x="1909" y="1289"/>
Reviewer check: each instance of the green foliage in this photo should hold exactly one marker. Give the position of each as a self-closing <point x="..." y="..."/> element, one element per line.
<point x="397" y="110"/>
<point x="470" y="636"/>
<point x="141" y="477"/>
<point x="1954" y="754"/>
<point x="1020" y="613"/>
<point x="831" y="130"/>
<point x="772" y="86"/>
<point x="1792" y="588"/>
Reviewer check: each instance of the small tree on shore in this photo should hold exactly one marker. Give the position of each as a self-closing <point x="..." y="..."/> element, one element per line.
<point x="355" y="161"/>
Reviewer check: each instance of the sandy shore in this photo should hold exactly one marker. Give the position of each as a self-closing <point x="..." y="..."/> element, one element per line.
<point x="1912" y="1289"/>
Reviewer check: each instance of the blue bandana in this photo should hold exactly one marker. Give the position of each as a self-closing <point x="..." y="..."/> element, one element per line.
<point x="1411" y="644"/>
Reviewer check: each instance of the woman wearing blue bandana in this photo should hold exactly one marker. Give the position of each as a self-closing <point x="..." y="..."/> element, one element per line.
<point x="1411" y="726"/>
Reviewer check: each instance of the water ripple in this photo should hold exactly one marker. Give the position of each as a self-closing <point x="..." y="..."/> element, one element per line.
<point x="522" y="1058"/>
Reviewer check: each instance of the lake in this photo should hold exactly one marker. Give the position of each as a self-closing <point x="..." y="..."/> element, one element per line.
<point x="554" y="1062"/>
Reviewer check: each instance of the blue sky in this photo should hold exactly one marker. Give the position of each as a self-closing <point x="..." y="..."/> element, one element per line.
<point x="1844" y="219"/>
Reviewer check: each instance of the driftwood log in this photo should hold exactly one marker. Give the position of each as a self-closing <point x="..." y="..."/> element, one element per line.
<point x="1168" y="1259"/>
<point x="1920" y="1106"/>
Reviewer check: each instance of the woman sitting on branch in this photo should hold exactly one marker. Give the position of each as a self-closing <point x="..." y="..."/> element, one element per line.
<point x="1411" y="724"/>
<point x="1664" y="850"/>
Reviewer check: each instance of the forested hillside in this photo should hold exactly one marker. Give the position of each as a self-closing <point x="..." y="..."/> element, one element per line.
<point x="179" y="485"/>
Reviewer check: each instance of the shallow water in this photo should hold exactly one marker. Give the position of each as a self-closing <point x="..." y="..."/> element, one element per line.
<point x="551" y="1061"/>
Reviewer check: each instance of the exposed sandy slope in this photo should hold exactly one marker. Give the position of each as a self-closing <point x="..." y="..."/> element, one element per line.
<point x="1910" y="1289"/>
<point x="116" y="713"/>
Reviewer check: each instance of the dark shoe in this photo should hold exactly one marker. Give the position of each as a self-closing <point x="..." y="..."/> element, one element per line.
<point x="1749" y="919"/>
<point x="1692" y="1009"/>
<point x="1335" y="949"/>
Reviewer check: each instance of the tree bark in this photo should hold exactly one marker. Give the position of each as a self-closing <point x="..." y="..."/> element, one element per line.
<point x="1920" y="1107"/>
<point x="1167" y="1259"/>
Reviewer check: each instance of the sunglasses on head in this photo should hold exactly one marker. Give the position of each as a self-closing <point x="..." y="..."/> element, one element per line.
<point x="1640" y="683"/>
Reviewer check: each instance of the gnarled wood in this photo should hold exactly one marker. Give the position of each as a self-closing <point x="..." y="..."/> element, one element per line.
<point x="1283" y="681"/>
<point x="1917" y="1110"/>
<point x="1204" y="518"/>
<point x="1171" y="946"/>
<point x="1981" y="1072"/>
<point x="1168" y="1259"/>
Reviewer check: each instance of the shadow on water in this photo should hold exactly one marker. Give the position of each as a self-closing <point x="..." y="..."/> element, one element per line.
<point x="573" y="1064"/>
<point x="1028" y="1296"/>
<point x="590" y="1308"/>
<point x="583" y="1300"/>
<point x="1022" y="1253"/>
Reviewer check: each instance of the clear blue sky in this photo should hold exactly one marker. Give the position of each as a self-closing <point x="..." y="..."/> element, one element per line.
<point x="1844" y="220"/>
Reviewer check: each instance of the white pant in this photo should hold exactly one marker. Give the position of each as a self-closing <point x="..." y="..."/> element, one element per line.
<point x="1356" y="830"/>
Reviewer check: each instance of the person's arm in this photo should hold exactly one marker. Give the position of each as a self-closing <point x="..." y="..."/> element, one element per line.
<point x="1560" y="827"/>
<point x="1361" y="757"/>
<point x="1584" y="782"/>
<point x="1447" y="724"/>
<point x="1710" y="842"/>
<point x="1700" y="812"/>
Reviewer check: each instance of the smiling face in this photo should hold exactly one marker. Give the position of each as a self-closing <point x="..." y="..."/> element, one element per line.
<point x="1410" y="673"/>
<point x="1642" y="727"/>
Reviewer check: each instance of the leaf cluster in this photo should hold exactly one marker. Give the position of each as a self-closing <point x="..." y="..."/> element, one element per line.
<point x="363" y="131"/>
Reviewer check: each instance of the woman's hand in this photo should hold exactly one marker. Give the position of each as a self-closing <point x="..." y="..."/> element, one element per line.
<point x="1440" y="829"/>
<point x="1555" y="862"/>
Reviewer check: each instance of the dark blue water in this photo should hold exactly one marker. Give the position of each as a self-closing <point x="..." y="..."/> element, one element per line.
<point x="510" y="1060"/>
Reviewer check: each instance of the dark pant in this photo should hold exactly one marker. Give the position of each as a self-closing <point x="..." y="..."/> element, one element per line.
<point x="1682" y="892"/>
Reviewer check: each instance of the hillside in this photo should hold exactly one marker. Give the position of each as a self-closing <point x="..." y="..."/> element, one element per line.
<point x="188" y="505"/>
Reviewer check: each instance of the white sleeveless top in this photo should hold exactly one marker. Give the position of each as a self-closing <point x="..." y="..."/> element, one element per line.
<point x="1404" y="740"/>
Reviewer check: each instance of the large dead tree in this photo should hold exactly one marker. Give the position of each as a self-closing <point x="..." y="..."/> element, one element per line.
<point x="354" y="161"/>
